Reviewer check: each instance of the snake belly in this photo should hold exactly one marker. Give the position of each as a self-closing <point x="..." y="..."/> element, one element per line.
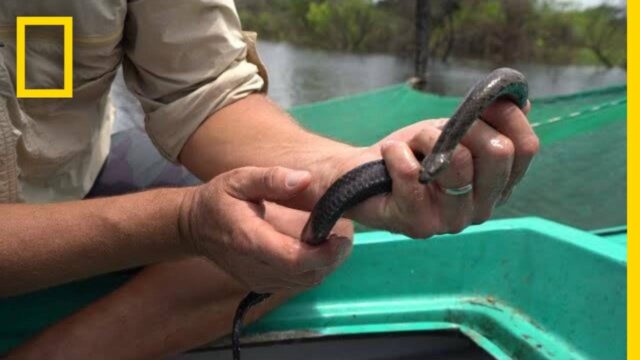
<point x="372" y="178"/>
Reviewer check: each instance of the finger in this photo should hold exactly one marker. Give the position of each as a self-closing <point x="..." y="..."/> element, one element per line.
<point x="304" y="280"/>
<point x="291" y="256"/>
<point x="508" y="119"/>
<point x="460" y="170"/>
<point x="408" y="132"/>
<point x="315" y="277"/>
<point x="344" y="229"/>
<point x="455" y="210"/>
<point x="274" y="286"/>
<point x="283" y="281"/>
<point x="403" y="168"/>
<point x="492" y="161"/>
<point x="285" y="220"/>
<point x="291" y="221"/>
<point x="312" y="278"/>
<point x="274" y="183"/>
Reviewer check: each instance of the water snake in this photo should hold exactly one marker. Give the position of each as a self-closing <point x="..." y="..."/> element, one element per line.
<point x="372" y="178"/>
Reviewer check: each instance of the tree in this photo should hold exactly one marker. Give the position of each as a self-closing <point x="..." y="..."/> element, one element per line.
<point x="347" y="23"/>
<point x="500" y="31"/>
<point x="604" y="34"/>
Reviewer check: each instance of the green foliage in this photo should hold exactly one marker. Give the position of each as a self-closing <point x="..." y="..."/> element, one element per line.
<point x="350" y="25"/>
<point x="500" y="31"/>
<point x="346" y="25"/>
<point x="602" y="30"/>
<point x="319" y="16"/>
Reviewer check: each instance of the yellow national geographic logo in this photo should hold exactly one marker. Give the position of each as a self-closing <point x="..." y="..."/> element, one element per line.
<point x="67" y="24"/>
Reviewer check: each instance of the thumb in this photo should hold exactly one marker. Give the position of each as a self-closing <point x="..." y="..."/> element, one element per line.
<point x="271" y="184"/>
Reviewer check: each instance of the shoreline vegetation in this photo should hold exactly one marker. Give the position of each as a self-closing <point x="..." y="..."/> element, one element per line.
<point x="498" y="31"/>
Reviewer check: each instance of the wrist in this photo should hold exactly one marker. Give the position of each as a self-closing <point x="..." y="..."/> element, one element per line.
<point x="341" y="163"/>
<point x="185" y="221"/>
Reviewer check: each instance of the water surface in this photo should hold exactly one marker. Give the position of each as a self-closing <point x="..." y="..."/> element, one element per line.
<point x="300" y="75"/>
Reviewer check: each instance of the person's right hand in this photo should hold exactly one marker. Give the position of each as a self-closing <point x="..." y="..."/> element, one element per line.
<point x="224" y="220"/>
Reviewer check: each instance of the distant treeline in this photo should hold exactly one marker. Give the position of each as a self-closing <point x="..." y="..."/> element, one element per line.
<point x="500" y="31"/>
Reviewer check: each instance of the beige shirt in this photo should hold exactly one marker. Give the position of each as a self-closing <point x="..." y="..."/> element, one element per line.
<point x="182" y="59"/>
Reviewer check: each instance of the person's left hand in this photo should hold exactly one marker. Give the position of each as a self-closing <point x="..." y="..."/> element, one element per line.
<point x="493" y="157"/>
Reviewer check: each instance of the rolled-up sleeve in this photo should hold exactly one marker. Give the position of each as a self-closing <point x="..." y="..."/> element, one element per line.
<point x="184" y="60"/>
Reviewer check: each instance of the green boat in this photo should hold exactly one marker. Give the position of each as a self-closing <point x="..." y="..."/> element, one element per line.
<point x="545" y="281"/>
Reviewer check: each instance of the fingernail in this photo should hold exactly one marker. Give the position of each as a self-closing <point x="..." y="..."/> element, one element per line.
<point x="341" y="245"/>
<point x="345" y="248"/>
<point x="294" y="178"/>
<point x="505" y="197"/>
<point x="526" y="171"/>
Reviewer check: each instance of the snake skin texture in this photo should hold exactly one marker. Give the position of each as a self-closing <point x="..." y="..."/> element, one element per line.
<point x="367" y="180"/>
<point x="372" y="178"/>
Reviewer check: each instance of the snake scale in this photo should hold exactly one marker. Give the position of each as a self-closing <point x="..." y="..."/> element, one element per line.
<point x="372" y="178"/>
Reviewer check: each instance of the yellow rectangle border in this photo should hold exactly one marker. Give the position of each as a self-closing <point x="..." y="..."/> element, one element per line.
<point x="633" y="178"/>
<point x="67" y="24"/>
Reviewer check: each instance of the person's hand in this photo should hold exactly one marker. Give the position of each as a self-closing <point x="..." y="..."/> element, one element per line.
<point x="492" y="157"/>
<point x="227" y="221"/>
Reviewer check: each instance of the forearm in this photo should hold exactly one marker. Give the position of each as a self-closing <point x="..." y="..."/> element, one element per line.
<point x="254" y="131"/>
<point x="44" y="245"/>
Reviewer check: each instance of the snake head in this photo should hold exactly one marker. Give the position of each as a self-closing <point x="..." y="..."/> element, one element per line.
<point x="432" y="165"/>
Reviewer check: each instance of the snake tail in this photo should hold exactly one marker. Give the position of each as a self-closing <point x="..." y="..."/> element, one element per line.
<point x="247" y="302"/>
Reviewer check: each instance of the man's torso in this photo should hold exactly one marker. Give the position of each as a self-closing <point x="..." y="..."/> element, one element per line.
<point x="63" y="142"/>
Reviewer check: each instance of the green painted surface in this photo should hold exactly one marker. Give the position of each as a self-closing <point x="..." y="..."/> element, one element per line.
<point x="616" y="234"/>
<point x="525" y="289"/>
<point x="578" y="179"/>
<point x="365" y="118"/>
<point x="619" y="239"/>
